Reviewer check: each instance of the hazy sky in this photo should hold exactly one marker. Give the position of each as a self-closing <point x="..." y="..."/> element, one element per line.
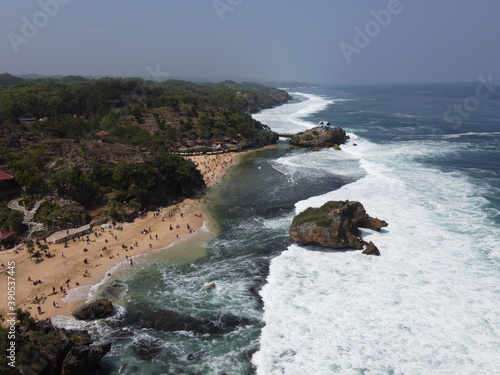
<point x="322" y="41"/>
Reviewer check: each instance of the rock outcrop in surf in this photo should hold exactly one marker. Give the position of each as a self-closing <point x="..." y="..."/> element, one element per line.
<point x="335" y="224"/>
<point x="318" y="137"/>
<point x="43" y="349"/>
<point x="97" y="309"/>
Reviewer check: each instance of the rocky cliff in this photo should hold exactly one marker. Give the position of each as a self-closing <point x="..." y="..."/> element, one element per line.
<point x="42" y="349"/>
<point x="335" y="224"/>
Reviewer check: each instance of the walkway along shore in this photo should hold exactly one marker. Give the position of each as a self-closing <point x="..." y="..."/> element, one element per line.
<point x="40" y="287"/>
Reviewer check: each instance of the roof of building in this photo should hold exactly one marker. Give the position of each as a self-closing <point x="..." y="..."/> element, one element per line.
<point x="4" y="234"/>
<point x="102" y="133"/>
<point x="5" y="176"/>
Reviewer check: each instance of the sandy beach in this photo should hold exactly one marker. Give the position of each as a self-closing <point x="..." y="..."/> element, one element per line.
<point x="82" y="262"/>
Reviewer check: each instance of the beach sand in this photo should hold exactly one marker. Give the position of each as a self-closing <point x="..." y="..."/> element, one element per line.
<point x="85" y="263"/>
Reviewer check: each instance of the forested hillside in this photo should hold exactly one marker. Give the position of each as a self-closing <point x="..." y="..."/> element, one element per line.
<point x="111" y="145"/>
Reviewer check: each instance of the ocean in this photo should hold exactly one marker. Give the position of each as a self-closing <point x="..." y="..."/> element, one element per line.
<point x="425" y="158"/>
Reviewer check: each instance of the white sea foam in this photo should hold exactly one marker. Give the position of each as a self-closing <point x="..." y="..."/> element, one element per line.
<point x="290" y="118"/>
<point x="316" y="164"/>
<point x="98" y="327"/>
<point x="77" y="294"/>
<point x="468" y="134"/>
<point x="427" y="305"/>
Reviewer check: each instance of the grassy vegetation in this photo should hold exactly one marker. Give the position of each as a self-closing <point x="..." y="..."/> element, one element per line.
<point x="318" y="216"/>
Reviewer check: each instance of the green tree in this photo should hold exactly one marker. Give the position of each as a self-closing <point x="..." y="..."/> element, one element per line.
<point x="14" y="222"/>
<point x="79" y="186"/>
<point x="28" y="169"/>
<point x="123" y="175"/>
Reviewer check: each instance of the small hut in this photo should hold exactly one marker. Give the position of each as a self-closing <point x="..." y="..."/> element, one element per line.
<point x="6" y="239"/>
<point x="102" y="136"/>
<point x="102" y="133"/>
<point x="8" y="185"/>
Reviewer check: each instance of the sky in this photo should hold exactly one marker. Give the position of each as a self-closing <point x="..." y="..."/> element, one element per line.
<point x="316" y="41"/>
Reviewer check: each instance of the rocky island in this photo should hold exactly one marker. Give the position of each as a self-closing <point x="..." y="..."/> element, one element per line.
<point x="321" y="136"/>
<point x="336" y="225"/>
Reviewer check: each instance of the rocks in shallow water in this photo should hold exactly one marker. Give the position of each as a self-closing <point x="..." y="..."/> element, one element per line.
<point x="195" y="356"/>
<point x="97" y="309"/>
<point x="371" y="249"/>
<point x="335" y="224"/>
<point x="147" y="348"/>
<point x="151" y="317"/>
<point x="83" y="360"/>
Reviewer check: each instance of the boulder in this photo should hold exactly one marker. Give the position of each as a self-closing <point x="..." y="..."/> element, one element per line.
<point x="97" y="309"/>
<point x="83" y="360"/>
<point x="147" y="349"/>
<point x="335" y="224"/>
<point x="371" y="249"/>
<point x="319" y="138"/>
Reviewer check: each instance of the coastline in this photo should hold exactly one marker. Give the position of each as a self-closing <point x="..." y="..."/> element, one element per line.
<point x="87" y="263"/>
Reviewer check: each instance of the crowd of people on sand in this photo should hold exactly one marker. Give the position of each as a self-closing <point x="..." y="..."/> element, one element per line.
<point x="212" y="165"/>
<point x="108" y="233"/>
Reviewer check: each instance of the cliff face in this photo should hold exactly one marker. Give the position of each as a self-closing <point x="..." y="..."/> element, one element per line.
<point x="43" y="349"/>
<point x="319" y="138"/>
<point x="335" y="224"/>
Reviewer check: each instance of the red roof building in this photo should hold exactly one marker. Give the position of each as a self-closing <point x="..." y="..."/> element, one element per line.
<point x="4" y="235"/>
<point x="8" y="186"/>
<point x="102" y="133"/>
<point x="5" y="176"/>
